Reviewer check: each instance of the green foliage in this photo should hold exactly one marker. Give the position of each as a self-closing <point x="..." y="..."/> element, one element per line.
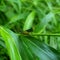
<point x="11" y="43"/>
<point x="29" y="21"/>
<point x="29" y="29"/>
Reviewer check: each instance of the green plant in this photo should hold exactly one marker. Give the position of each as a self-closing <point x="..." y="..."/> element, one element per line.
<point x="30" y="30"/>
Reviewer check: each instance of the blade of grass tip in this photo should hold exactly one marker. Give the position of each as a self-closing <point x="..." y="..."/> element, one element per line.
<point x="29" y="21"/>
<point x="11" y="43"/>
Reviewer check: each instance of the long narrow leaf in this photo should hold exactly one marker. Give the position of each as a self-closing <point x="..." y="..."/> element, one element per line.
<point x="11" y="42"/>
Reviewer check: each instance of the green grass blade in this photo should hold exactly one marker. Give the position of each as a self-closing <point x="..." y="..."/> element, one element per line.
<point x="44" y="22"/>
<point x="11" y="42"/>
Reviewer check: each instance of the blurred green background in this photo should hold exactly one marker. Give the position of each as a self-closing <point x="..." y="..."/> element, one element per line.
<point x="29" y="29"/>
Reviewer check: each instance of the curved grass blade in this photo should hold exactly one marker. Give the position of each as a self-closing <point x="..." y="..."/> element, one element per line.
<point x="11" y="42"/>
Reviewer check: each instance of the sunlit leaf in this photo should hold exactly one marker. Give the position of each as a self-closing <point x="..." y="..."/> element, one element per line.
<point x="11" y="42"/>
<point x="29" y="21"/>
